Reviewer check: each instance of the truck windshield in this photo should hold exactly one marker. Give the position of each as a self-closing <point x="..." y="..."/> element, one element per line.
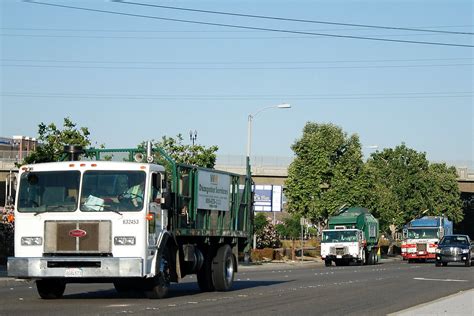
<point x="113" y="191"/>
<point x="422" y="233"/>
<point x="339" y="236"/>
<point x="48" y="191"/>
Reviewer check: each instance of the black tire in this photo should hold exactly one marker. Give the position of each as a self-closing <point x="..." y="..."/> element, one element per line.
<point x="468" y="262"/>
<point x="160" y="287"/>
<point x="363" y="259"/>
<point x="411" y="260"/>
<point x="445" y="264"/>
<point x="370" y="257"/>
<point x="223" y="269"/>
<point x="327" y="263"/>
<point x="50" y="289"/>
<point x="438" y="264"/>
<point x="375" y="257"/>
<point x="204" y="275"/>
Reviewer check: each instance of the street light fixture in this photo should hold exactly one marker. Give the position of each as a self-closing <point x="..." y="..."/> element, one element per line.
<point x="250" y="119"/>
<point x="249" y="142"/>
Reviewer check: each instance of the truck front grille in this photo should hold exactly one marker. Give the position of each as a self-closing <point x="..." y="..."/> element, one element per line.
<point x="420" y="247"/>
<point x="74" y="237"/>
<point x="338" y="251"/>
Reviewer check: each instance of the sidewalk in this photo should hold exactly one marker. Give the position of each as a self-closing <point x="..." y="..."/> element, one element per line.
<point x="461" y="304"/>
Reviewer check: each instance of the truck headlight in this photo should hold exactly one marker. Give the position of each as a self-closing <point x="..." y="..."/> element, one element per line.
<point x="465" y="251"/>
<point x="124" y="241"/>
<point x="31" y="241"/>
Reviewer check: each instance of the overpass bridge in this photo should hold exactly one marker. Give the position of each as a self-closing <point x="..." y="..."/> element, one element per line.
<point x="274" y="170"/>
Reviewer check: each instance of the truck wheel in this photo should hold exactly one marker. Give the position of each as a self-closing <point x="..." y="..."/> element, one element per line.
<point x="204" y="275"/>
<point x="159" y="288"/>
<point x="50" y="289"/>
<point x="327" y="263"/>
<point x="370" y="258"/>
<point x="362" y="260"/>
<point x="374" y="257"/>
<point x="438" y="264"/>
<point x="223" y="269"/>
<point x="445" y="264"/>
<point x="468" y="262"/>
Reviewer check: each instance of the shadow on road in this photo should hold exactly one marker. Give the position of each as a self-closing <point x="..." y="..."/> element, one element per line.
<point x="176" y="290"/>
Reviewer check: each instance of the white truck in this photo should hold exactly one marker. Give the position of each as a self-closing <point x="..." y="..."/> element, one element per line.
<point x="78" y="221"/>
<point x="352" y="237"/>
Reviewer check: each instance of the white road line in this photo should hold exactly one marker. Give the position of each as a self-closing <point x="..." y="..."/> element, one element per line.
<point x="442" y="280"/>
<point x="118" y="305"/>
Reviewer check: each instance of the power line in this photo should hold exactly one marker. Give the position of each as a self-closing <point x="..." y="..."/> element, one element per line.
<point x="231" y="68"/>
<point x="207" y="97"/>
<point x="190" y="38"/>
<point x="193" y="31"/>
<point x="250" y="27"/>
<point x="288" y="19"/>
<point x="231" y="63"/>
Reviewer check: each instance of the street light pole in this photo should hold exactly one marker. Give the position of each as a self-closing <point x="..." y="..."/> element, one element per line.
<point x="249" y="142"/>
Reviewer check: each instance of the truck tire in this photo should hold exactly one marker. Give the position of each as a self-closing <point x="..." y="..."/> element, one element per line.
<point x="160" y="287"/>
<point x="468" y="262"/>
<point x="327" y="263"/>
<point x="223" y="269"/>
<point x="362" y="260"/>
<point x="204" y="275"/>
<point x="49" y="289"/>
<point x="370" y="258"/>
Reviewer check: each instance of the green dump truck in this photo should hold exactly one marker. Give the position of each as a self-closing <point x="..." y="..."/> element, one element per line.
<point x="134" y="223"/>
<point x="352" y="236"/>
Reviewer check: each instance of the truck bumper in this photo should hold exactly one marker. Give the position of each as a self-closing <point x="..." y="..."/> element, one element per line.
<point x="338" y="257"/>
<point x="73" y="267"/>
<point x="419" y="256"/>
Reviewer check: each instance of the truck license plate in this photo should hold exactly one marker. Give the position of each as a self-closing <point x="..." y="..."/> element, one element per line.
<point x="73" y="273"/>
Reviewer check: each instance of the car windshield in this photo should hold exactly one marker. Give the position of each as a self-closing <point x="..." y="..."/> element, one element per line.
<point x="422" y="233"/>
<point x="450" y="240"/>
<point x="339" y="236"/>
<point x="48" y="191"/>
<point x="113" y="191"/>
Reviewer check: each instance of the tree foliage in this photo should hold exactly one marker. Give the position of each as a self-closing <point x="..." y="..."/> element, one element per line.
<point x="259" y="222"/>
<point x="404" y="186"/>
<point x="52" y="141"/>
<point x="326" y="173"/>
<point x="198" y="155"/>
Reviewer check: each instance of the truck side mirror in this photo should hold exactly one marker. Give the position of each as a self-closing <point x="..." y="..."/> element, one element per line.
<point x="405" y="233"/>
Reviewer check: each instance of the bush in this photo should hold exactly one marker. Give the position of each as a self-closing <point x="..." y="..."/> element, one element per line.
<point x="265" y="254"/>
<point x="268" y="238"/>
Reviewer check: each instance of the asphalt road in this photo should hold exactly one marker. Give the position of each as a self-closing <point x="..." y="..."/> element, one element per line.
<point x="273" y="289"/>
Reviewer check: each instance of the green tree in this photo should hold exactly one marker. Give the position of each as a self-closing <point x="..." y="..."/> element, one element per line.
<point x="406" y="186"/>
<point x="259" y="222"/>
<point x="188" y="154"/>
<point x="291" y="229"/>
<point x="444" y="196"/>
<point x="52" y="141"/>
<point x="326" y="173"/>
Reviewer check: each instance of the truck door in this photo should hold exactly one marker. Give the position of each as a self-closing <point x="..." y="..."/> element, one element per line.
<point x="155" y="217"/>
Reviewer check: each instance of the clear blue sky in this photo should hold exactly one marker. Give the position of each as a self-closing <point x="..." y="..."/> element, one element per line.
<point x="130" y="79"/>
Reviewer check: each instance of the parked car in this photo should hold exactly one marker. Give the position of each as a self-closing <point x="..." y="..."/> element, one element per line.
<point x="454" y="248"/>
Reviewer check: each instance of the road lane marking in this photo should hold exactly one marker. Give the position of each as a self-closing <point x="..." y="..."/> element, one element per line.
<point x="442" y="280"/>
<point x="119" y="305"/>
